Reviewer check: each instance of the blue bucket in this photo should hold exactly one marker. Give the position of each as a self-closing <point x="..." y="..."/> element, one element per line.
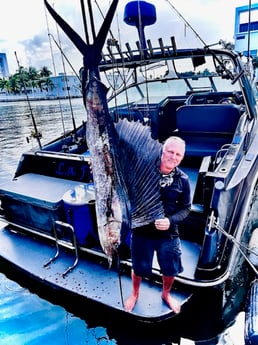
<point x="79" y="204"/>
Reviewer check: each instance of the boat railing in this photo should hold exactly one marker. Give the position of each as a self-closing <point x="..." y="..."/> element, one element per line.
<point x="66" y="155"/>
<point x="69" y="228"/>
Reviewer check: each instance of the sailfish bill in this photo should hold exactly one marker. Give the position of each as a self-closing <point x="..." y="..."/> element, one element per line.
<point x="121" y="193"/>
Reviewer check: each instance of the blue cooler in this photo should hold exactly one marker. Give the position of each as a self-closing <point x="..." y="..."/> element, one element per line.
<point x="79" y="204"/>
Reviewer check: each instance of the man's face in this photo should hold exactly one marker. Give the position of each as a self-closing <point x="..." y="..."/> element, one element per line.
<point x="172" y="155"/>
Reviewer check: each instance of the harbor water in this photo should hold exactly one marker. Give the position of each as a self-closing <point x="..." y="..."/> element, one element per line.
<point x="30" y="318"/>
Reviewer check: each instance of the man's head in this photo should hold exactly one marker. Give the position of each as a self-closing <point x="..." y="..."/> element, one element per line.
<point x="172" y="154"/>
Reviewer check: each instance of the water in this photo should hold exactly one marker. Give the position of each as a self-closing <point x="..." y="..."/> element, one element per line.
<point x="25" y="317"/>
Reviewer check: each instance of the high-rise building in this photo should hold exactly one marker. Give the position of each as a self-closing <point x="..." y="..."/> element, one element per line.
<point x="246" y="30"/>
<point x="4" y="70"/>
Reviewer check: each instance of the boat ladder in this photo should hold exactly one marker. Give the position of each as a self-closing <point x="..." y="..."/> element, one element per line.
<point x="64" y="228"/>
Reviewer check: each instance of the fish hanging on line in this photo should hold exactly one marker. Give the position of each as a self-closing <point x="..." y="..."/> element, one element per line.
<point x="119" y="205"/>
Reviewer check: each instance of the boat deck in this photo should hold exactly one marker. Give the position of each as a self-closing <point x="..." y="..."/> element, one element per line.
<point x="89" y="279"/>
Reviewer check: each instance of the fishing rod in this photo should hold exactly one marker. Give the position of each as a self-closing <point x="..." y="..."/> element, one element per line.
<point x="37" y="134"/>
<point x="187" y="23"/>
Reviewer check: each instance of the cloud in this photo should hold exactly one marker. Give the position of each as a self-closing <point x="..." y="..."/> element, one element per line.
<point x="27" y="33"/>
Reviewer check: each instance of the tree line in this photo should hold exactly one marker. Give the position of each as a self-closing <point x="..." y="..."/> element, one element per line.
<point x="26" y="79"/>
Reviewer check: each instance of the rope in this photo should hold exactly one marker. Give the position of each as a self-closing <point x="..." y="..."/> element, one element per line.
<point x="239" y="245"/>
<point x="120" y="277"/>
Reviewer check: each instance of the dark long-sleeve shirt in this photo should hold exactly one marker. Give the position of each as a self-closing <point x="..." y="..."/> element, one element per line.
<point x="176" y="199"/>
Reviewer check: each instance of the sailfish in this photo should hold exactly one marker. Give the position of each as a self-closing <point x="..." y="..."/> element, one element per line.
<point x="124" y="156"/>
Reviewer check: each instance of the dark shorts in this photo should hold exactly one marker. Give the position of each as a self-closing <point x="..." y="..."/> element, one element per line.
<point x="168" y="251"/>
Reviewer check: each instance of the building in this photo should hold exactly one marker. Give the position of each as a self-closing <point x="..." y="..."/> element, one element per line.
<point x="61" y="86"/>
<point x="246" y="33"/>
<point x="4" y="70"/>
<point x="65" y="86"/>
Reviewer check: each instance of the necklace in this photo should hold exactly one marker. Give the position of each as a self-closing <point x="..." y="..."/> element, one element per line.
<point x="167" y="179"/>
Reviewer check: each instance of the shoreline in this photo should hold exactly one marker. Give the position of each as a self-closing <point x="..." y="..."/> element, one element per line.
<point x="24" y="98"/>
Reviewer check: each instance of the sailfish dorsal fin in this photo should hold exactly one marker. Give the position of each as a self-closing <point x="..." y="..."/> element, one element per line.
<point x="139" y="159"/>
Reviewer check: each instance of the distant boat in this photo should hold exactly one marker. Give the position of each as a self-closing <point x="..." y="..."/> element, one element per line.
<point x="49" y="225"/>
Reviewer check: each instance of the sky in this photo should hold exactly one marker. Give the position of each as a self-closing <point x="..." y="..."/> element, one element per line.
<point x="26" y="29"/>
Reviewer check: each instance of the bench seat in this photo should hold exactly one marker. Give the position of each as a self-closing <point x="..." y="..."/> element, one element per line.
<point x="206" y="128"/>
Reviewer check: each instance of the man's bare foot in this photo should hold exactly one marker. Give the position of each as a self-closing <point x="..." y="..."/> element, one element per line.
<point x="172" y="303"/>
<point x="130" y="302"/>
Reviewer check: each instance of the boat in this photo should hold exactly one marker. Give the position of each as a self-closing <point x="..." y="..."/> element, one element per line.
<point x="207" y="96"/>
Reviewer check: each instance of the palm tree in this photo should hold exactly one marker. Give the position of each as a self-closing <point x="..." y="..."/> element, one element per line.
<point x="22" y="78"/>
<point x="32" y="73"/>
<point x="45" y="72"/>
<point x="3" y="84"/>
<point x="14" y="84"/>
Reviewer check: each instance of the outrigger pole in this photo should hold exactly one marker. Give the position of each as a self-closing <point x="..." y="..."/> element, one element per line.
<point x="37" y="134"/>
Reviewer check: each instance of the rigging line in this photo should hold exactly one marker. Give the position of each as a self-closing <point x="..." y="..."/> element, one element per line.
<point x="54" y="67"/>
<point x="206" y="46"/>
<point x="120" y="277"/>
<point x="91" y="20"/>
<point x="37" y="134"/>
<point x="249" y="62"/>
<point x="140" y="29"/>
<point x="187" y="23"/>
<point x="239" y="245"/>
<point x="123" y="77"/>
<point x="249" y="30"/>
<point x="102" y="15"/>
<point x="114" y="43"/>
<point x="67" y="60"/>
<point x="232" y="238"/>
<point x="233" y="215"/>
<point x="122" y="73"/>
<point x="67" y="88"/>
<point x="84" y="22"/>
<point x="143" y="53"/>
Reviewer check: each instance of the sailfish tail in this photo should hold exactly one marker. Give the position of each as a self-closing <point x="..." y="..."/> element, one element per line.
<point x="92" y="52"/>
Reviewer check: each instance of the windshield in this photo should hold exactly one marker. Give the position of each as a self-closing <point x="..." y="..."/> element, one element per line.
<point x="155" y="92"/>
<point x="180" y="77"/>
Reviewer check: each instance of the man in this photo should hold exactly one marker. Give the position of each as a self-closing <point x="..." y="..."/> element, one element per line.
<point x="162" y="236"/>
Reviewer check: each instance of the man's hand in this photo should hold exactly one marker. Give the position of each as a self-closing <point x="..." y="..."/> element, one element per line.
<point x="162" y="224"/>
